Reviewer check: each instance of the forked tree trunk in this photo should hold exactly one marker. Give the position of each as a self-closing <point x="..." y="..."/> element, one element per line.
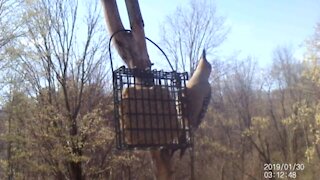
<point x="132" y="48"/>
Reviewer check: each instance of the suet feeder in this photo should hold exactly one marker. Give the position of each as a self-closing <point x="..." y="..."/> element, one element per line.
<point x="149" y="109"/>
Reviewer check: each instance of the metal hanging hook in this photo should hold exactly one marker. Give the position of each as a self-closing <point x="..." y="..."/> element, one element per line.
<point x="126" y="30"/>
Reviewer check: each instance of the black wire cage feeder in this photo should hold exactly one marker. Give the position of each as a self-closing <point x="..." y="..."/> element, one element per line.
<point x="149" y="108"/>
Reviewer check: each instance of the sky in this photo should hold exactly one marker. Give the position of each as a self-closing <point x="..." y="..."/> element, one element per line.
<point x="257" y="27"/>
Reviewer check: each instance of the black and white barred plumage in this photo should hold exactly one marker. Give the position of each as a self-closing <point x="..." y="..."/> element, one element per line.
<point x="198" y="95"/>
<point x="198" y="92"/>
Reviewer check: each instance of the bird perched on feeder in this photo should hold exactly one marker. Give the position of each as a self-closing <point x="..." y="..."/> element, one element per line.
<point x="198" y="92"/>
<point x="198" y="95"/>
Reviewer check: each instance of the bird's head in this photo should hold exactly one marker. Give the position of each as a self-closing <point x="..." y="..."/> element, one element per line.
<point x="204" y="67"/>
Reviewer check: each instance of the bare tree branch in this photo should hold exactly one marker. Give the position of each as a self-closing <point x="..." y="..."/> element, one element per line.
<point x="131" y="46"/>
<point x="190" y="29"/>
<point x="112" y="15"/>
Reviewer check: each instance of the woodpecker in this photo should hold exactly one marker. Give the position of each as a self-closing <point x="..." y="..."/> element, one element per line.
<point x="198" y="95"/>
<point x="198" y="92"/>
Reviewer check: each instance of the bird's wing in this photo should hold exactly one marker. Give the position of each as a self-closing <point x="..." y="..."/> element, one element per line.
<point x="205" y="105"/>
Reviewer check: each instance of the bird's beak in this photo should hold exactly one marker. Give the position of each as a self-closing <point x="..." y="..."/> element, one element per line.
<point x="204" y="54"/>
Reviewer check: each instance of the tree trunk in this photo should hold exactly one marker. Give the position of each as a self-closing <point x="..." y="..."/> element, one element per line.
<point x="76" y="171"/>
<point x="9" y="150"/>
<point x="162" y="161"/>
<point x="75" y="166"/>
